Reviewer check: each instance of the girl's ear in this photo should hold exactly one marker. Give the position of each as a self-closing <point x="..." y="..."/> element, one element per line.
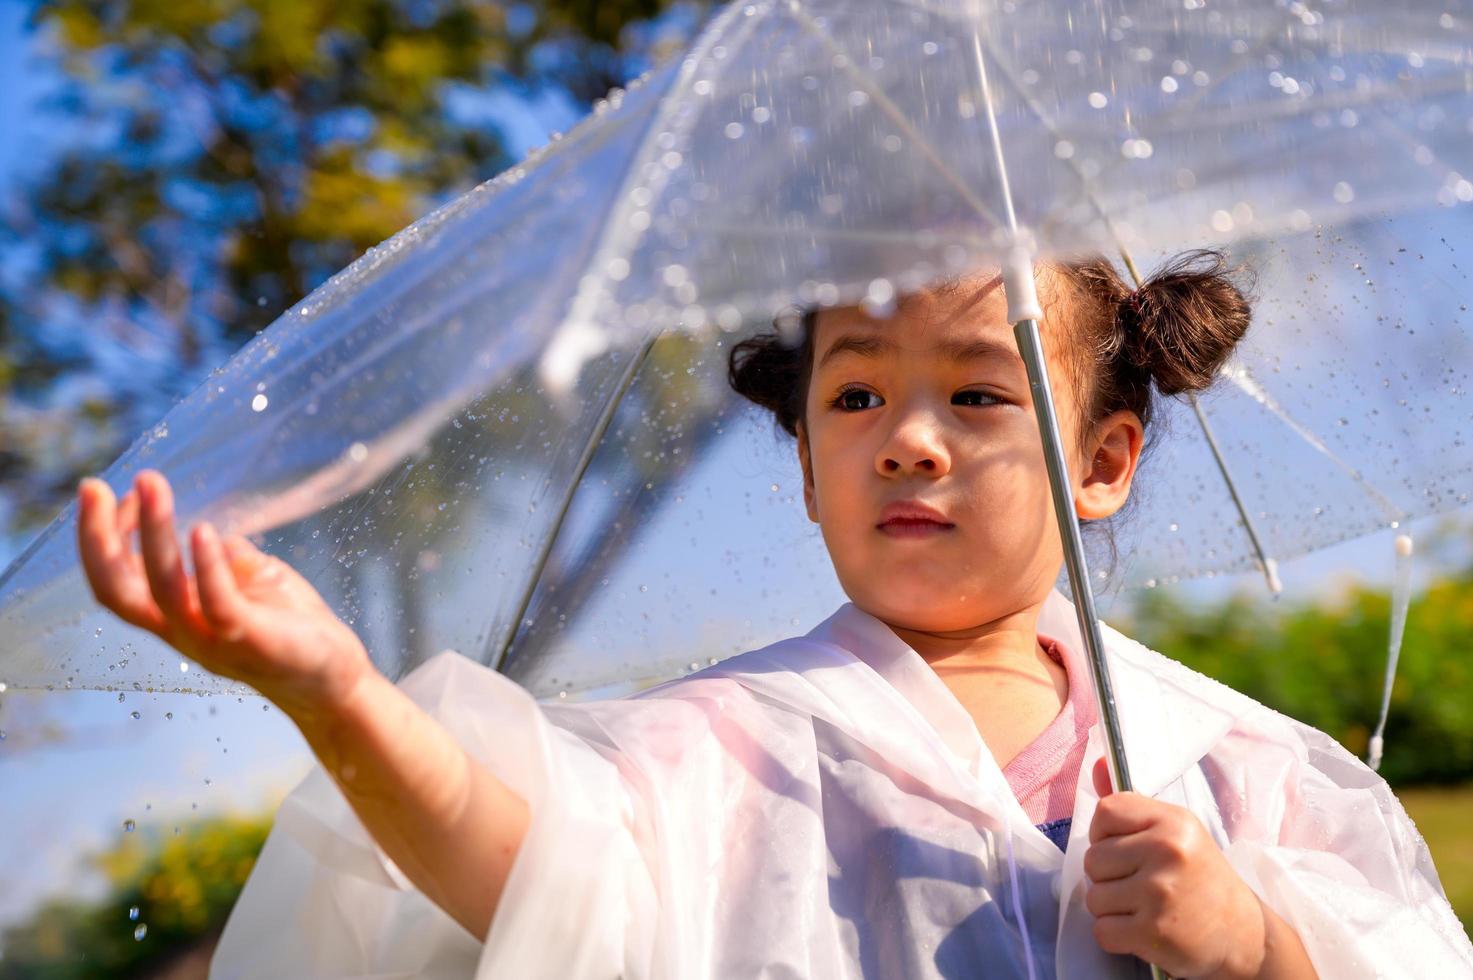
<point x="1117" y="449"/>
<point x="810" y="499"/>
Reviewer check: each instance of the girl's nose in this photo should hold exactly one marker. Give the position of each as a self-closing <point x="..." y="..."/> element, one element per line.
<point x="914" y="446"/>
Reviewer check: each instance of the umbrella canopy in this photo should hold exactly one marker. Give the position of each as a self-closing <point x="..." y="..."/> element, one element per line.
<point x="507" y="429"/>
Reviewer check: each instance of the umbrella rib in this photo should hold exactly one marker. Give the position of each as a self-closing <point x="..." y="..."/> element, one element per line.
<point x="1266" y="563"/>
<point x="1239" y="375"/>
<point x="619" y="234"/>
<point x="895" y="115"/>
<point x="585" y="458"/>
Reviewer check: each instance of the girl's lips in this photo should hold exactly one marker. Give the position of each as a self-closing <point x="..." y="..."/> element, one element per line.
<point x="904" y="527"/>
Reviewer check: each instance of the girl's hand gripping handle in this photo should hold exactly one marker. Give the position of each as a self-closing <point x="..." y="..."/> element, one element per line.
<point x="1161" y="889"/>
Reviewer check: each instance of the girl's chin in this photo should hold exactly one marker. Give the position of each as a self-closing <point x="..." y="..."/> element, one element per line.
<point x="940" y="608"/>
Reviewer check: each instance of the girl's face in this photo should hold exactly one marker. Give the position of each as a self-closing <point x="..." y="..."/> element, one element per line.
<point x="928" y="414"/>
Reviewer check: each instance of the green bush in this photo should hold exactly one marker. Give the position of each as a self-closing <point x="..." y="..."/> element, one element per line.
<point x="1324" y="662"/>
<point x="182" y="884"/>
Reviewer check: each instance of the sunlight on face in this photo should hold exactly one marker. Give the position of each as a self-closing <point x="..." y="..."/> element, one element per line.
<point x="931" y="408"/>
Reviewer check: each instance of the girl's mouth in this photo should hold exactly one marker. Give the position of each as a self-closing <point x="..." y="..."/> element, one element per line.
<point x="913" y="527"/>
<point x="912" y="519"/>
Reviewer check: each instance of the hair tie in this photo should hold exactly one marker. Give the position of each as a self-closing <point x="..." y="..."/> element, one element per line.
<point x="1134" y="299"/>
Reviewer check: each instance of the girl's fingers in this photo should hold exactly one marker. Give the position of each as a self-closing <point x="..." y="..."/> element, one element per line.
<point x="127" y="519"/>
<point x="1122" y="813"/>
<point x="162" y="559"/>
<point x="220" y="600"/>
<point x="1112" y="898"/>
<point x="1117" y="933"/>
<point x="1112" y="859"/>
<point x="107" y="557"/>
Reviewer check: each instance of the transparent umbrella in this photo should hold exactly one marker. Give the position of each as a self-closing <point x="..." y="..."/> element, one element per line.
<point x="507" y="430"/>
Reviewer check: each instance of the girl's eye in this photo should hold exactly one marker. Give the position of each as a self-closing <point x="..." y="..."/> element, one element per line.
<point x="975" y="397"/>
<point x="856" y="399"/>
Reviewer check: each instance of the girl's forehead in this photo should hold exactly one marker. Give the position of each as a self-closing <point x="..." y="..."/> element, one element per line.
<point x="970" y="308"/>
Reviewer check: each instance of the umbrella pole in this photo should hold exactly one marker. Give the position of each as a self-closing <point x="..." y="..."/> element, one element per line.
<point x="1030" y="346"/>
<point x="1024" y="312"/>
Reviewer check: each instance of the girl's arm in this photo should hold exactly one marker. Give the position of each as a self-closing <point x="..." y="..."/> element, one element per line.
<point x="450" y="826"/>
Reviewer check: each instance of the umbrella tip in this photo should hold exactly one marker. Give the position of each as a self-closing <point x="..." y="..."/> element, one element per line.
<point x="1271" y="572"/>
<point x="1373" y="753"/>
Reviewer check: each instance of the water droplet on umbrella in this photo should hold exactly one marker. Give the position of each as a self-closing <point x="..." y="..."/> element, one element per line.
<point x="258" y="403"/>
<point x="734" y="130"/>
<point x="168" y="716"/>
<point x="1136" y="149"/>
<point x="1098" y="100"/>
<point x="135" y="715"/>
<point x="129" y="826"/>
<point x="183" y="667"/>
<point x="1344" y="193"/>
<point x="1168" y="84"/>
<point x="879" y="298"/>
<point x="132" y="913"/>
<point x="140" y="931"/>
<point x="644" y="588"/>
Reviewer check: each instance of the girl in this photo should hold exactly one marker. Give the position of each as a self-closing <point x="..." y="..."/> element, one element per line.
<point x="913" y="788"/>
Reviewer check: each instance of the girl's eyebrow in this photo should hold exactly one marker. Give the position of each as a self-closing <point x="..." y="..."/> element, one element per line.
<point x="956" y="351"/>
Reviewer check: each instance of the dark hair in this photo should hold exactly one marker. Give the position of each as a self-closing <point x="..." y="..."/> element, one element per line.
<point x="1175" y="332"/>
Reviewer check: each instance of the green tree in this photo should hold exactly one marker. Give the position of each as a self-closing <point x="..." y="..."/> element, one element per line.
<point x="231" y="155"/>
<point x="168" y="890"/>
<point x="1323" y="663"/>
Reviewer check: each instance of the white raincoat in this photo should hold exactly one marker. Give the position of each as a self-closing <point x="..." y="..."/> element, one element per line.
<point x="824" y="807"/>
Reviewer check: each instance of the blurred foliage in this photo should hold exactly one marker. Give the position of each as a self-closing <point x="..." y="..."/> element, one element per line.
<point x="1323" y="663"/>
<point x="222" y="159"/>
<point x="165" y="893"/>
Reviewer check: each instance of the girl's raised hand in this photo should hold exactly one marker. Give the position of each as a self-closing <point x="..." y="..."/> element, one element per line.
<point x="244" y="614"/>
<point x="1161" y="889"/>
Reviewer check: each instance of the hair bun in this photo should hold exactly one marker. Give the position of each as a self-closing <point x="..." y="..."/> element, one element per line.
<point x="1183" y="322"/>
